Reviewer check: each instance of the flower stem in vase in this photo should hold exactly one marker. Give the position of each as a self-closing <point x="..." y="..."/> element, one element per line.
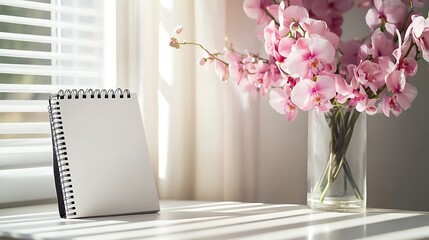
<point x="340" y="123"/>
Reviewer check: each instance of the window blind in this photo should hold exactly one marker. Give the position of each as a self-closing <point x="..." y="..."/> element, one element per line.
<point x="45" y="45"/>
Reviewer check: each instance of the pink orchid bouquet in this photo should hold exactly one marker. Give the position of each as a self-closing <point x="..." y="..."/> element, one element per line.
<point x="309" y="67"/>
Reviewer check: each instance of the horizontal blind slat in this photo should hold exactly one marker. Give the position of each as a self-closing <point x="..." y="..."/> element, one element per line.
<point x="28" y="156"/>
<point x="22" y="142"/>
<point x="49" y="7"/>
<point x="25" y="128"/>
<point x="26" y="184"/>
<point x="41" y="70"/>
<point x="25" y="159"/>
<point x="37" y="88"/>
<point x="87" y="42"/>
<point x="23" y="105"/>
<point x="47" y="55"/>
<point x="26" y="149"/>
<point x="49" y="23"/>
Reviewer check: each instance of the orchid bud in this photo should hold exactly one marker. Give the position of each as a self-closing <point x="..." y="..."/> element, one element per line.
<point x="178" y="29"/>
<point x="221" y="70"/>
<point x="202" y="61"/>
<point x="174" y="43"/>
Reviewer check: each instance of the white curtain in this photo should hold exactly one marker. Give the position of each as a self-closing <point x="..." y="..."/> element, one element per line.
<point x="207" y="139"/>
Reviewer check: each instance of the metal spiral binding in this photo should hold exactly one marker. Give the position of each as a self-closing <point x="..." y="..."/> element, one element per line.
<point x="93" y="93"/>
<point x="60" y="150"/>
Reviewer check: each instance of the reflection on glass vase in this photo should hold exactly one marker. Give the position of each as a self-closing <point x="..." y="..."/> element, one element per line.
<point x="336" y="167"/>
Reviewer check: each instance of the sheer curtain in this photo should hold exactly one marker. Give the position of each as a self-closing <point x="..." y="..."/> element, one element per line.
<point x="203" y="134"/>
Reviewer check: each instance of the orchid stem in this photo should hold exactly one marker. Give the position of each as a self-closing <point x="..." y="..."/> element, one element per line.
<point x="271" y="16"/>
<point x="339" y="144"/>
<point x="351" y="180"/>
<point x="207" y="51"/>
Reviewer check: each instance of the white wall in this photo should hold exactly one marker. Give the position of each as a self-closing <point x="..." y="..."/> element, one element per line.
<point x="398" y="148"/>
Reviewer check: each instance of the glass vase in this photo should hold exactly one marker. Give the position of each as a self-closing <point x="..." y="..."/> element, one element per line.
<point x="336" y="168"/>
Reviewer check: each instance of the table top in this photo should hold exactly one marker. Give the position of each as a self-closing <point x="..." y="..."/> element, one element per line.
<point x="216" y="220"/>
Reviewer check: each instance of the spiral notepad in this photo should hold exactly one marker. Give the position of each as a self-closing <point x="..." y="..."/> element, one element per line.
<point x="101" y="161"/>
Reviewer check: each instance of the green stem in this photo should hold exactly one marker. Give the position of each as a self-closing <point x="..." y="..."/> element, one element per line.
<point x="409" y="49"/>
<point x="337" y="170"/>
<point x="379" y="91"/>
<point x="325" y="171"/>
<point x="271" y="16"/>
<point x="321" y="183"/>
<point x="328" y="185"/>
<point x="207" y="51"/>
<point x="352" y="181"/>
<point x="338" y="148"/>
<point x="417" y="57"/>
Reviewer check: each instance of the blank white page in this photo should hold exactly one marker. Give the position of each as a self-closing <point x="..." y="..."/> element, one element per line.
<point x="108" y="158"/>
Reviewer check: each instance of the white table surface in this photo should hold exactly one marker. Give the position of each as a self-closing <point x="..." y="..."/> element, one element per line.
<point x="216" y="220"/>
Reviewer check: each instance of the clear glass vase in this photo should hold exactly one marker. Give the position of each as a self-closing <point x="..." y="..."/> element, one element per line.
<point x="336" y="168"/>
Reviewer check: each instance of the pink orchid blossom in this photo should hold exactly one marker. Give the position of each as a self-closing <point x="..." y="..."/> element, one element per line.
<point x="292" y="81"/>
<point x="221" y="70"/>
<point x="368" y="74"/>
<point x="402" y="94"/>
<point x="379" y="46"/>
<point x="344" y="90"/>
<point x="350" y="54"/>
<point x="387" y="13"/>
<point x="257" y="9"/>
<point x="232" y="56"/>
<point x="403" y="57"/>
<point x="361" y="102"/>
<point x="301" y="38"/>
<point x="371" y="107"/>
<point x="237" y="72"/>
<point x="322" y="8"/>
<point x="280" y="100"/>
<point x="357" y="97"/>
<point x="308" y="93"/>
<point x="263" y="75"/>
<point x="254" y="80"/>
<point x="273" y="78"/>
<point x="272" y="10"/>
<point x="236" y="68"/>
<point x="290" y="17"/>
<point x="272" y="42"/>
<point x="314" y="26"/>
<point x="334" y="22"/>
<point x="390" y="104"/>
<point x="285" y="46"/>
<point x="419" y="29"/>
<point x="309" y="57"/>
<point x="409" y="65"/>
<point x="403" y="91"/>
